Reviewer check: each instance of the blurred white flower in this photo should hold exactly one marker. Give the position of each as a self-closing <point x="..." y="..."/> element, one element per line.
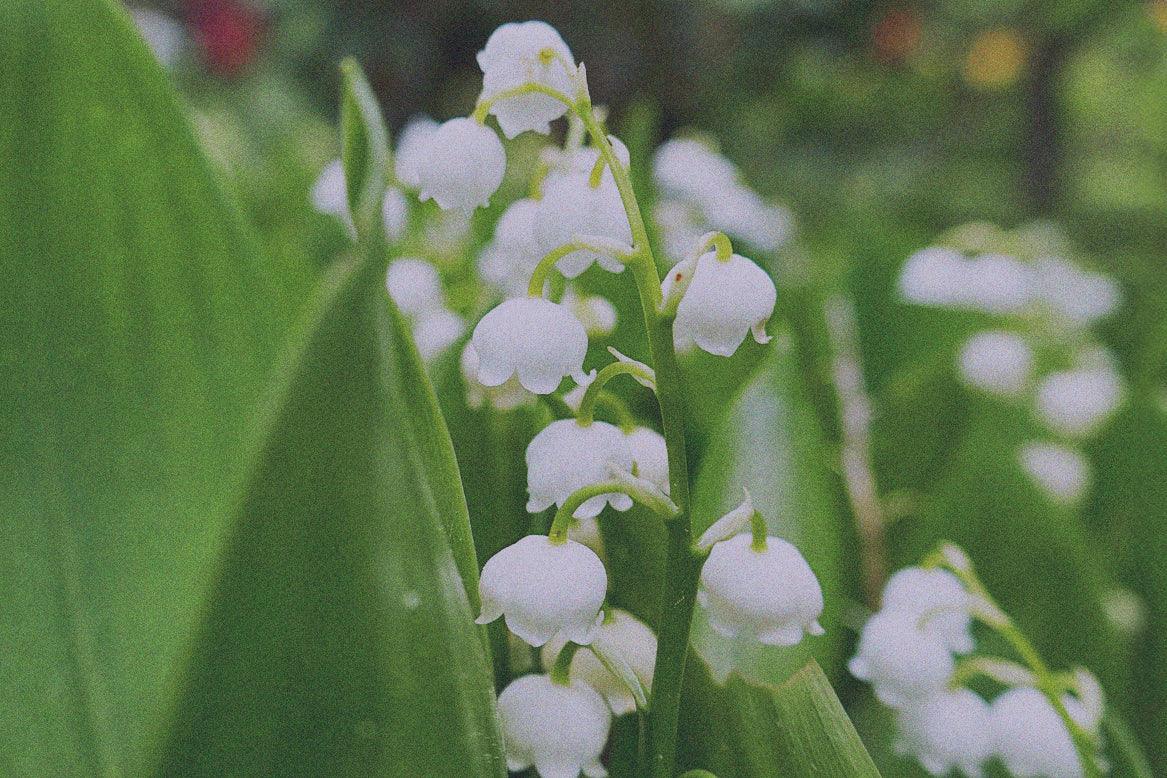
<point x="510" y="259"/>
<point x="651" y="456"/>
<point x="725" y="302"/>
<point x="394" y="213"/>
<point x="998" y="284"/>
<point x="461" y="166"/>
<point x="741" y="212"/>
<point x="902" y="663"/>
<point x="1075" y="403"/>
<point x="543" y="589"/>
<point x="560" y="730"/>
<point x="933" y="276"/>
<point x="1080" y="297"/>
<point x="577" y="162"/>
<point x="596" y="313"/>
<point x="569" y="208"/>
<point x="534" y="338"/>
<point x="504" y="397"/>
<point x="435" y="330"/>
<point x="998" y="362"/>
<point x="680" y="226"/>
<point x="1031" y="738"/>
<point x="624" y="634"/>
<point x="770" y="594"/>
<point x="163" y="34"/>
<point x="937" y="600"/>
<point x="688" y="169"/>
<point x="1061" y="472"/>
<point x="414" y="285"/>
<point x="947" y="731"/>
<point x="566" y="456"/>
<point x="526" y="53"/>
<point x="411" y="145"/>
<point x="329" y="195"/>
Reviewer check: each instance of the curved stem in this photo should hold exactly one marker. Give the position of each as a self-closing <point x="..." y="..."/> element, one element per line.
<point x="618" y="410"/>
<point x="483" y="108"/>
<point x="587" y="406"/>
<point x="639" y="490"/>
<point x="547" y="263"/>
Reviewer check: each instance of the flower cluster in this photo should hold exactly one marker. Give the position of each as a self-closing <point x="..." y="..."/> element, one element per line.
<point x="918" y="653"/>
<point x="1040" y="351"/>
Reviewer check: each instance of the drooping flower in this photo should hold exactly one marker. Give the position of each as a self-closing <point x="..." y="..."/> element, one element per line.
<point x="688" y="169"/>
<point x="526" y="53"/>
<point x="411" y="145"/>
<point x="771" y="593"/>
<point x="504" y="397"/>
<point x="947" y="731"/>
<point x="998" y="362"/>
<point x="543" y="589"/>
<point x="462" y="165"/>
<point x="1075" y="403"/>
<point x="651" y="456"/>
<point x="624" y="634"/>
<point x="571" y="208"/>
<point x="933" y="276"/>
<point x="435" y="330"/>
<point x="902" y="663"/>
<point x="329" y="195"/>
<point x="998" y="284"/>
<point x="725" y="301"/>
<point x="595" y="313"/>
<point x="1060" y="471"/>
<point x="741" y="212"/>
<point x="566" y="456"/>
<point x="1079" y="297"/>
<point x="510" y="259"/>
<point x="560" y="730"/>
<point x="414" y="285"/>
<point x="533" y="338"/>
<point x="1030" y="736"/>
<point x="937" y="600"/>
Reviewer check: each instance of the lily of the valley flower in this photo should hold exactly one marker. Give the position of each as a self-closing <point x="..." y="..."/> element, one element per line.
<point x="1060" y="471"/>
<point x="596" y="313"/>
<point x="947" y="731"/>
<point x="566" y="456"/>
<point x="526" y="53"/>
<point x="504" y="397"/>
<point x="902" y="663"/>
<point x="572" y="207"/>
<point x="559" y="729"/>
<point x="1075" y="403"/>
<point x="770" y="593"/>
<point x="937" y="600"/>
<point x="620" y="632"/>
<point x="543" y="589"/>
<point x="411" y="149"/>
<point x="998" y="362"/>
<point x="651" y="456"/>
<point x="724" y="302"/>
<point x="512" y="255"/>
<point x="414" y="285"/>
<point x="436" y="330"/>
<point x="1031" y="738"/>
<point x="462" y="165"/>
<point x="533" y="338"/>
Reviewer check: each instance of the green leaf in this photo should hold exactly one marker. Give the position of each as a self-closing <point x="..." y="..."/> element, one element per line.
<point x="139" y="324"/>
<point x="364" y="148"/>
<point x="341" y="639"/>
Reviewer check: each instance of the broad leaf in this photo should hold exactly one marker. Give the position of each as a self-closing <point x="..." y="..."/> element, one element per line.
<point x="139" y="327"/>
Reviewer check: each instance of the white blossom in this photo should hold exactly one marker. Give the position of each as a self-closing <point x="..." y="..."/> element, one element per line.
<point x="688" y="169"/>
<point x="162" y="33"/>
<point x="461" y="166"/>
<point x="504" y="397"/>
<point x="394" y="214"/>
<point x="579" y="162"/>
<point x="998" y="362"/>
<point x="1031" y="738"/>
<point x="933" y="276"/>
<point x="902" y="663"/>
<point x="741" y="212"/>
<point x="1079" y="297"/>
<point x="526" y="53"/>
<point x="571" y="208"/>
<point x="543" y="589"/>
<point x="725" y="302"/>
<point x="414" y="285"/>
<point x="998" y="284"/>
<point x="1075" y="403"/>
<point x="329" y="195"/>
<point x="771" y="593"/>
<point x="566" y="456"/>
<point x="651" y="456"/>
<point x="560" y="730"/>
<point x="947" y="731"/>
<point x="510" y="259"/>
<point x="631" y="639"/>
<point x="680" y="226"/>
<point x="534" y="338"/>
<point x="1061" y="472"/>
<point x="436" y="330"/>
<point x="937" y="600"/>
<point x="596" y="313"/>
<point x="411" y="145"/>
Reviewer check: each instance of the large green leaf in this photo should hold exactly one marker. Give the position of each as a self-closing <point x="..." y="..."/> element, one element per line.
<point x="341" y="639"/>
<point x="139" y="327"/>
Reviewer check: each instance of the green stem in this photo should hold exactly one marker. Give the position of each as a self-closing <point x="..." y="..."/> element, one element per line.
<point x="640" y="491"/>
<point x="561" y="670"/>
<point x="587" y="406"/>
<point x="683" y="566"/>
<point x="547" y="263"/>
<point x="758" y="531"/>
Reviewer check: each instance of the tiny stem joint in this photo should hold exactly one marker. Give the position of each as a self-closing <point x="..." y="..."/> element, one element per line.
<point x="642" y="492"/>
<point x="758" y="531"/>
<point x="587" y="405"/>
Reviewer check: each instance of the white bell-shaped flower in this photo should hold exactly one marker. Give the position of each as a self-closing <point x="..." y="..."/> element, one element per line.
<point x="937" y="600"/>
<point x="436" y="330"/>
<point x="725" y="302"/>
<point x="510" y="259"/>
<point x="947" y="731"/>
<point x="688" y="169"/>
<point x="680" y="226"/>
<point x="533" y="338"/>
<point x="1030" y="737"/>
<point x="631" y="639"/>
<point x="462" y="165"/>
<point x="411" y="149"/>
<point x="571" y="208"/>
<point x="1060" y="471"/>
<point x="1075" y="403"/>
<point x="902" y="663"/>
<point x="934" y="276"/>
<point x="566" y="456"/>
<point x="771" y="593"/>
<point x="414" y="285"/>
<point x="1079" y="297"/>
<point x="998" y="362"/>
<point x="741" y="212"/>
<point x="543" y="589"/>
<point x="998" y="284"/>
<point x="596" y="313"/>
<point x="526" y="53"/>
<point x="504" y="397"/>
<point x="560" y="730"/>
<point x="579" y="162"/>
<point x="394" y="213"/>
<point x="651" y="456"/>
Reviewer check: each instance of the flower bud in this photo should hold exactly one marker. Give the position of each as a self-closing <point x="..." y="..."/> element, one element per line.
<point x="725" y="301"/>
<point x="504" y="397"/>
<point x="1031" y="738"/>
<point x="462" y="165"/>
<point x="534" y="338"/>
<point x="651" y="456"/>
<point x="414" y="285"/>
<point x="411" y="145"/>
<point x="947" y="731"/>
<point x="624" y="634"/>
<point x="560" y="730"/>
<point x="771" y="593"/>
<point x="998" y="362"/>
<point x="526" y="53"/>
<point x="902" y="663"/>
<point x="571" y="208"/>
<point x="543" y="589"/>
<point x="566" y="456"/>
<point x="937" y="600"/>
